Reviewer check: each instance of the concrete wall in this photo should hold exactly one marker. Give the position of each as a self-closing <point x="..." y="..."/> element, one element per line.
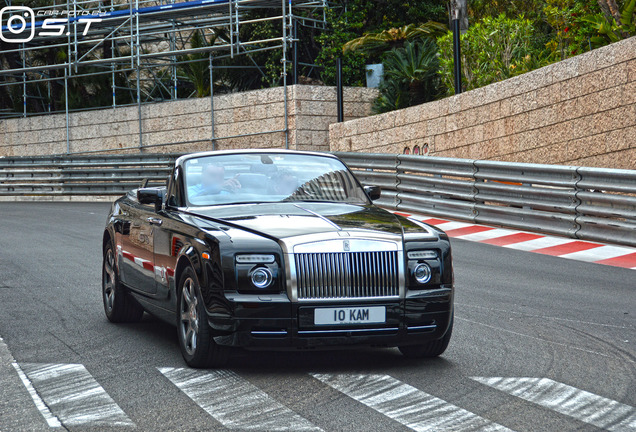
<point x="581" y="111"/>
<point x="311" y="110"/>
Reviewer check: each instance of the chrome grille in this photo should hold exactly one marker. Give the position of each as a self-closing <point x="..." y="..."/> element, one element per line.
<point x="341" y="275"/>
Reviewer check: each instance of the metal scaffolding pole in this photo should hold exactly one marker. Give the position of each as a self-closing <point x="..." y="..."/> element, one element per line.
<point x="151" y="39"/>
<point x="24" y="89"/>
<point x="284" y="60"/>
<point x="68" y="131"/>
<point x="212" y="135"/>
<point x="138" y="64"/>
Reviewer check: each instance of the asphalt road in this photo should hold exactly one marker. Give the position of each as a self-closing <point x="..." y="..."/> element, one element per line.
<point x="568" y="327"/>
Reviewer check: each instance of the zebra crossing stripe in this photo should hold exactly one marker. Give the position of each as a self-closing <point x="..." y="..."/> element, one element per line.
<point x="407" y="405"/>
<point x="72" y="395"/>
<point x="234" y="402"/>
<point x="51" y="420"/>
<point x="579" y="404"/>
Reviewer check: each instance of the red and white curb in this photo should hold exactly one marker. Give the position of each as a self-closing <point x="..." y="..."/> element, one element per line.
<point x="617" y="256"/>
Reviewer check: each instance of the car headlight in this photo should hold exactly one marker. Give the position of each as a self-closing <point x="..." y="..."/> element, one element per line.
<point x="422" y="254"/>
<point x="255" y="259"/>
<point x="422" y="273"/>
<point x="256" y="273"/>
<point x="424" y="268"/>
<point x="261" y="277"/>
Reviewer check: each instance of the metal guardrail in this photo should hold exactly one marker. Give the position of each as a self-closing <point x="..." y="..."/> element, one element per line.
<point x="579" y="202"/>
<point x="81" y="175"/>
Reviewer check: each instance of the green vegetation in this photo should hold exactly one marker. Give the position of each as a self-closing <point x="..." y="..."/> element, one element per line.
<point x="410" y="76"/>
<point x="410" y="38"/>
<point x="492" y="50"/>
<point x="504" y="39"/>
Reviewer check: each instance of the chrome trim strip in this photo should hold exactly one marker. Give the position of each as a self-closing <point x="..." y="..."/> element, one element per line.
<point x="269" y="333"/>
<point x="355" y="245"/>
<point x="383" y="329"/>
<point x="424" y="327"/>
<point x="348" y="299"/>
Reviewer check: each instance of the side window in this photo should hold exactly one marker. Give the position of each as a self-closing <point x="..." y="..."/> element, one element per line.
<point x="175" y="192"/>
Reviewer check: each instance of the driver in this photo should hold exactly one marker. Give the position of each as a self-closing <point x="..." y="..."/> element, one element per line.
<point x="284" y="183"/>
<point x="213" y="182"/>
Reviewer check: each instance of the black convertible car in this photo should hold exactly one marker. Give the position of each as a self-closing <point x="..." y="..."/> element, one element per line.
<point x="268" y="249"/>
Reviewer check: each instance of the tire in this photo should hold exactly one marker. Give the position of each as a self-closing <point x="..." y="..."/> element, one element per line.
<point x="195" y="341"/>
<point x="430" y="349"/>
<point x="118" y="305"/>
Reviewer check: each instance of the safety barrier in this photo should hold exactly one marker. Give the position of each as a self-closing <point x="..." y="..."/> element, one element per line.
<point x="579" y="202"/>
<point x="81" y="175"/>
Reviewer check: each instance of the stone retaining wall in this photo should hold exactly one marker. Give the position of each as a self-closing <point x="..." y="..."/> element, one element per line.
<point x="581" y="111"/>
<point x="310" y="111"/>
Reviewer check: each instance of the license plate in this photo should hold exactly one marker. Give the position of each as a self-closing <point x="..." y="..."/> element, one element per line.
<point x="350" y="315"/>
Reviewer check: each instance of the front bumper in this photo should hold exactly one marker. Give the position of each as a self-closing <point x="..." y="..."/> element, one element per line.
<point x="272" y="323"/>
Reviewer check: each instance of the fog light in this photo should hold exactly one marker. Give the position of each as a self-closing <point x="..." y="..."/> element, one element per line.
<point x="422" y="273"/>
<point x="261" y="277"/>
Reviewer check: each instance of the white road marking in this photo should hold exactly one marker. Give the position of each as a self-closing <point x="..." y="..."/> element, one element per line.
<point x="234" y="402"/>
<point x="451" y="225"/>
<point x="51" y="420"/>
<point x="487" y="235"/>
<point x="599" y="253"/>
<point x="579" y="404"/>
<point x="407" y="405"/>
<point x="539" y="243"/>
<point x="74" y="396"/>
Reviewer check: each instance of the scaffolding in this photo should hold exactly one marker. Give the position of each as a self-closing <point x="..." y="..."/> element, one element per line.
<point x="140" y="46"/>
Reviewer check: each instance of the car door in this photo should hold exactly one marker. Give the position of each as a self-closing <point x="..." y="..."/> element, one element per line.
<point x="137" y="249"/>
<point x="168" y="239"/>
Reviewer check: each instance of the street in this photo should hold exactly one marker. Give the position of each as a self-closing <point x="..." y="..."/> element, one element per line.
<point x="540" y="343"/>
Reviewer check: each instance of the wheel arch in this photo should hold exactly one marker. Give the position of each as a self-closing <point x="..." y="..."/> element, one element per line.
<point x="182" y="263"/>
<point x="106" y="238"/>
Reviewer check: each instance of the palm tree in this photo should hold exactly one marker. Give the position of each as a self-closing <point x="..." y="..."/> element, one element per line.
<point x="395" y="37"/>
<point x="197" y="71"/>
<point x="614" y="25"/>
<point x="410" y="76"/>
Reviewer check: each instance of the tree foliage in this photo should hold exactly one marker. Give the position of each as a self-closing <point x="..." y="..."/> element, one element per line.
<point x="382" y="40"/>
<point x="492" y="50"/>
<point x="614" y="24"/>
<point x="351" y="19"/>
<point x="410" y="76"/>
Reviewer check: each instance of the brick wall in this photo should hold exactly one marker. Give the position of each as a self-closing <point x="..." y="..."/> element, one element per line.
<point x="310" y="111"/>
<point x="581" y="111"/>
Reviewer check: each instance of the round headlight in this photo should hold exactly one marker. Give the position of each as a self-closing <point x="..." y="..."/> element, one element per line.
<point x="262" y="277"/>
<point x="422" y="273"/>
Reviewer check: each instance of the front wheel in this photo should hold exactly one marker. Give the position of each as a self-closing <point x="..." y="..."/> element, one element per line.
<point x="429" y="349"/>
<point x="197" y="346"/>
<point x="118" y="305"/>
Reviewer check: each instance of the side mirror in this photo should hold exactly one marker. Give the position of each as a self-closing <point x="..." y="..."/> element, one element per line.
<point x="151" y="195"/>
<point x="373" y="192"/>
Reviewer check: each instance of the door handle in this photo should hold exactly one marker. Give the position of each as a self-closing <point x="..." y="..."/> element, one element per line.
<point x="154" y="220"/>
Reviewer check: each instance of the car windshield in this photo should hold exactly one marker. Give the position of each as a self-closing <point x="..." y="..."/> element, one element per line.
<point x="269" y="177"/>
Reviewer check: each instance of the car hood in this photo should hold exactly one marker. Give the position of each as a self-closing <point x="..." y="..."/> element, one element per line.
<point x="283" y="220"/>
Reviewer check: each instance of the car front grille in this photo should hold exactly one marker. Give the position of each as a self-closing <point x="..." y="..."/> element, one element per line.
<point x="343" y="275"/>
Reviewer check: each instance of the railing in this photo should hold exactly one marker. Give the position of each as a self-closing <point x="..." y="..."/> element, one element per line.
<point x="586" y="203"/>
<point x="81" y="175"/>
<point x="579" y="202"/>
